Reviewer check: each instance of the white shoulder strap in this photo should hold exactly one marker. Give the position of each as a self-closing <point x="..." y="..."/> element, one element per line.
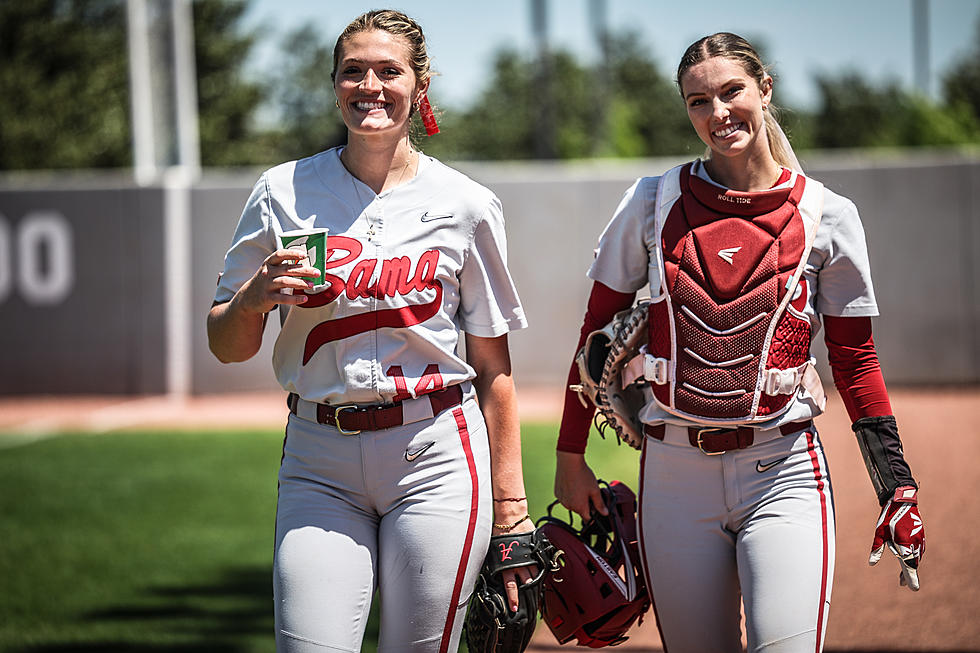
<point x="811" y="208"/>
<point x="668" y="190"/>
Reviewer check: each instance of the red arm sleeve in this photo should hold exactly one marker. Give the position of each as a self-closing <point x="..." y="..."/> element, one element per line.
<point x="576" y="419"/>
<point x="854" y="363"/>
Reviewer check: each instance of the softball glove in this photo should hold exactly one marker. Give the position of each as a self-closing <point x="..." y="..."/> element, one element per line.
<point x="600" y="591"/>
<point x="490" y="626"/>
<point x="601" y="361"/>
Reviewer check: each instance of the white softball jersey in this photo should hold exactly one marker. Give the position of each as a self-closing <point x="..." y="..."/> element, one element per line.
<point x="387" y="325"/>
<point x="404" y="510"/>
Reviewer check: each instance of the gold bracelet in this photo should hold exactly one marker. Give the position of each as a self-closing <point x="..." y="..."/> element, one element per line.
<point x="514" y="499"/>
<point x="507" y="527"/>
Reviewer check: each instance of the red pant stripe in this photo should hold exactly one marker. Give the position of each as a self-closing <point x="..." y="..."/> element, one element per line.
<point x="643" y="552"/>
<point x="464" y="437"/>
<point x="818" y="474"/>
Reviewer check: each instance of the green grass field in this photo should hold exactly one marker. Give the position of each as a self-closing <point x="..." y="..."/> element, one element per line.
<point x="162" y="541"/>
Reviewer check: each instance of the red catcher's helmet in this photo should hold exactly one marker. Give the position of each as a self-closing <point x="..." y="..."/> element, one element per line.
<point x="599" y="592"/>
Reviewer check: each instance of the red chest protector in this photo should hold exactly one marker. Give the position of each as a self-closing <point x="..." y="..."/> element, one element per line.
<point x="729" y="341"/>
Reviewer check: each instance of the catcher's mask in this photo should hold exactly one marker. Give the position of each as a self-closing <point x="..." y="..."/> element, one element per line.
<point x="599" y="591"/>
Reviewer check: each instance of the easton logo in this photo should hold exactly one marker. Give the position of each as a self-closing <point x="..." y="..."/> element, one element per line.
<point x="728" y="254"/>
<point x="916" y="524"/>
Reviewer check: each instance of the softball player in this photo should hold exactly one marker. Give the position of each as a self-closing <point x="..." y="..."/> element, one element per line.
<point x="746" y="259"/>
<point x="389" y="468"/>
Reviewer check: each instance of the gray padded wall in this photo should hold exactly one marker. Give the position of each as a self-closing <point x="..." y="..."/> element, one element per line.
<point x="107" y="334"/>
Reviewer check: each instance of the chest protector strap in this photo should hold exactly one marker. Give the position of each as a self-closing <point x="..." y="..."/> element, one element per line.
<point x="729" y="341"/>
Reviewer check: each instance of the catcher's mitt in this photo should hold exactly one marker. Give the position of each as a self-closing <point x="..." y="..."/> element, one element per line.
<point x="601" y="361"/>
<point x="600" y="591"/>
<point x="490" y="626"/>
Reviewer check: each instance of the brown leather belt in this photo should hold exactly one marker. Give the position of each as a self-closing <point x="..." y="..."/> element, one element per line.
<point x="714" y="440"/>
<point x="351" y="419"/>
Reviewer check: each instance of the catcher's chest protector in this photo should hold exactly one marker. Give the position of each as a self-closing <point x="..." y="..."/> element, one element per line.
<point x="729" y="340"/>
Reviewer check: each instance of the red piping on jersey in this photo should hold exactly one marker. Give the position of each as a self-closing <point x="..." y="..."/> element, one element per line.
<point x="345" y="327"/>
<point x="824" y="569"/>
<point x="855" y="366"/>
<point x="464" y="437"/>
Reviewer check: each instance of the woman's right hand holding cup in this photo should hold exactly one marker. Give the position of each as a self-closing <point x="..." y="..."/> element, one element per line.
<point x="278" y="280"/>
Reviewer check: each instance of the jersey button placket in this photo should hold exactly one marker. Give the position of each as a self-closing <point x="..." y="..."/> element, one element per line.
<point x="377" y="225"/>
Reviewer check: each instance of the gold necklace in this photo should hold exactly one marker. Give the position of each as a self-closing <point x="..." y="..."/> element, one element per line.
<point x="391" y="191"/>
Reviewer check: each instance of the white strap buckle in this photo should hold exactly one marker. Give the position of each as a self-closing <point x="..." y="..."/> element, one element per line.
<point x="655" y="369"/>
<point x="782" y="382"/>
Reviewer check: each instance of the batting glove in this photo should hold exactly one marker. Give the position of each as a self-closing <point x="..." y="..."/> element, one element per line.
<point x="900" y="528"/>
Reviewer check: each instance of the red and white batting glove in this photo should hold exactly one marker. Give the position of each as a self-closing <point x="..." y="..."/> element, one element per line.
<point x="900" y="527"/>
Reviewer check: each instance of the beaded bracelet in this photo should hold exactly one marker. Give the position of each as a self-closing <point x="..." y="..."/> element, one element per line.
<point x="514" y="499"/>
<point x="507" y="527"/>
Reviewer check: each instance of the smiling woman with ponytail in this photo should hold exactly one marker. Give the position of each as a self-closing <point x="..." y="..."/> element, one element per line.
<point x="390" y="465"/>
<point x="746" y="259"/>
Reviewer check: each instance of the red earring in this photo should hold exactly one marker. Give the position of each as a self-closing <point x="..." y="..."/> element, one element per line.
<point x="428" y="117"/>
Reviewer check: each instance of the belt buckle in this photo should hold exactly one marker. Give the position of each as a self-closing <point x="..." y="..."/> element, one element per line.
<point x="336" y="419"/>
<point x="710" y="429"/>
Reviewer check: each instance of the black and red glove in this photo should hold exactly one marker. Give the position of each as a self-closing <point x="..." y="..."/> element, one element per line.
<point x="900" y="528"/>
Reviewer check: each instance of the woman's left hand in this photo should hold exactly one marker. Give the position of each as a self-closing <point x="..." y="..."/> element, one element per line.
<point x="514" y="578"/>
<point x="490" y="357"/>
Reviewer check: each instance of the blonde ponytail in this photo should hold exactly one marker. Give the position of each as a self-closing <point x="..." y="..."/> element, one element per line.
<point x="779" y="144"/>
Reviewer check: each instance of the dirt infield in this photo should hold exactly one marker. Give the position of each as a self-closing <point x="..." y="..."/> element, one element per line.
<point x="870" y="612"/>
<point x="35" y="416"/>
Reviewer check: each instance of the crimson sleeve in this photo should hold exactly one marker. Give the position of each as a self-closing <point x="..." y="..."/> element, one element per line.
<point x="854" y="363"/>
<point x="576" y="419"/>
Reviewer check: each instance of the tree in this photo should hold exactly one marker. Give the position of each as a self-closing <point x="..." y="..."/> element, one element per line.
<point x="961" y="84"/>
<point x="63" y="84"/>
<point x="227" y="100"/>
<point x="498" y="123"/>
<point x="621" y="108"/>
<point x="853" y="113"/>
<point x="647" y="117"/>
<point x="307" y="119"/>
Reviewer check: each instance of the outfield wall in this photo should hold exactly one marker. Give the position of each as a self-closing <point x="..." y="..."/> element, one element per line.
<point x="104" y="286"/>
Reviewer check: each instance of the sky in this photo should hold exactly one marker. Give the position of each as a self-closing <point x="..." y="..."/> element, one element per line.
<point x="801" y="38"/>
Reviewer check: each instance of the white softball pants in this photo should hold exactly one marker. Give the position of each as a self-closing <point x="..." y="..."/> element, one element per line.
<point x="755" y="525"/>
<point x="355" y="514"/>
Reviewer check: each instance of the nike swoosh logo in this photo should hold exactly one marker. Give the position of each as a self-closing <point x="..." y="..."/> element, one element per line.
<point x="759" y="467"/>
<point x="429" y="217"/>
<point x="410" y="456"/>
